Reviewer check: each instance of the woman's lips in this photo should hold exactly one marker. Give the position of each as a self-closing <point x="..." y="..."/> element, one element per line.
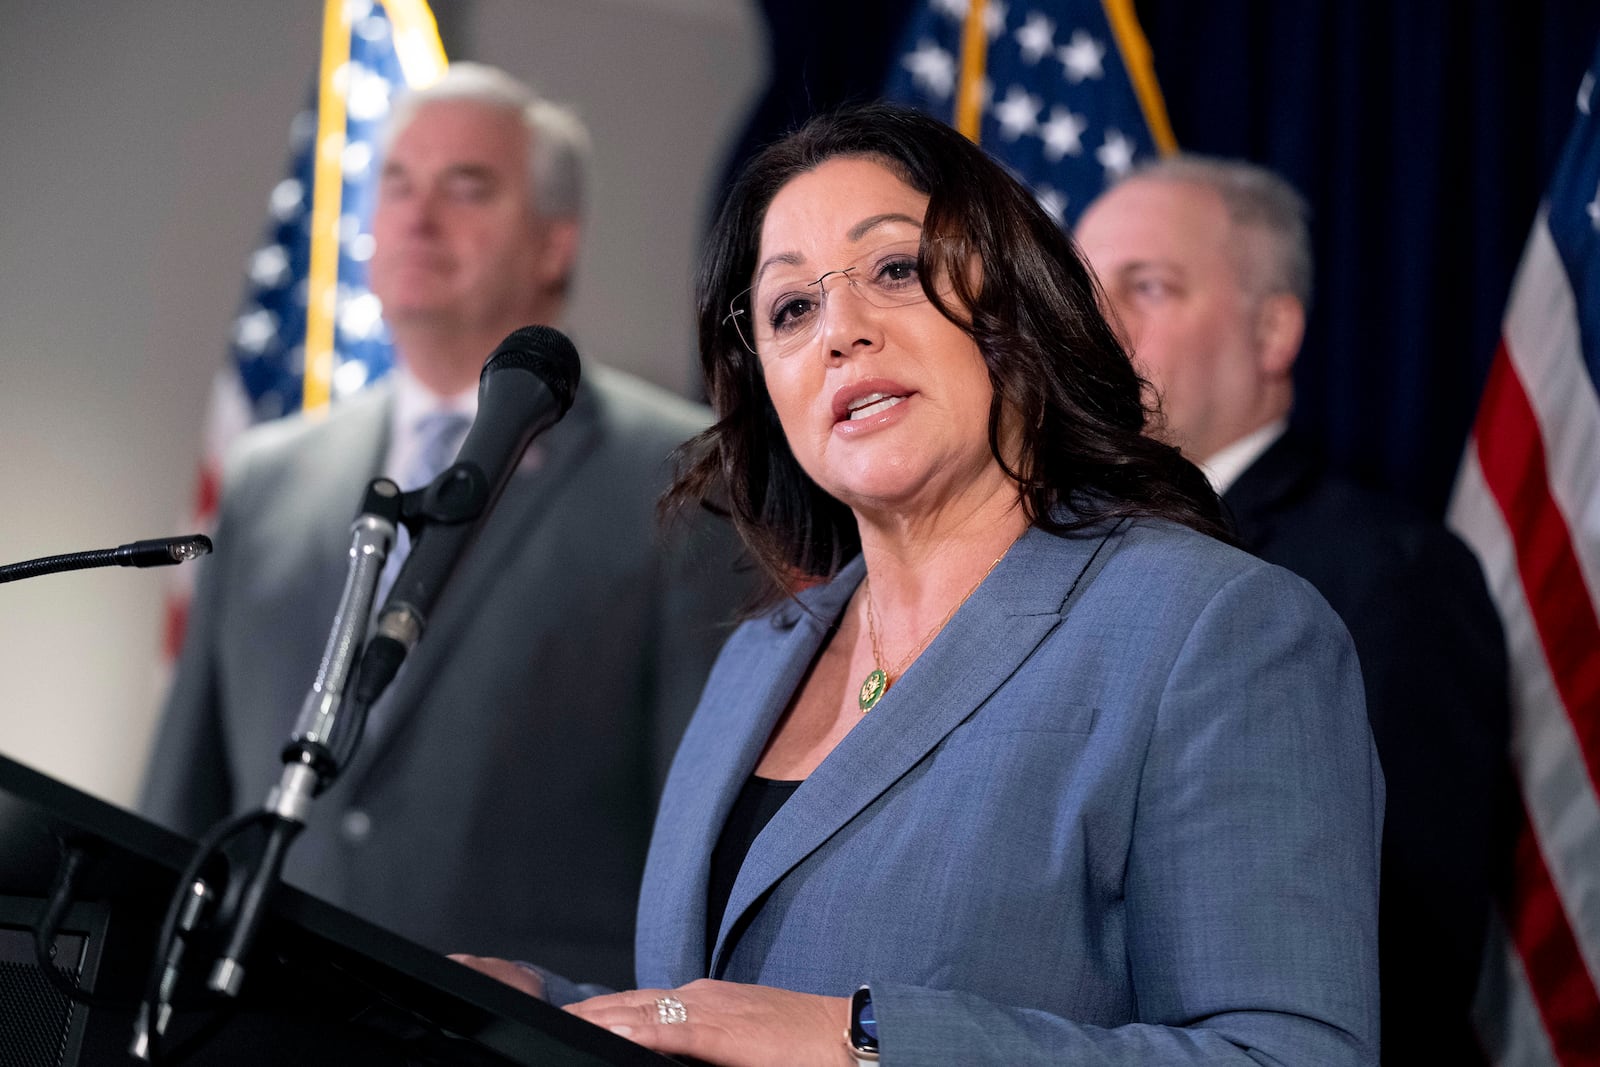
<point x="872" y="404"/>
<point x="867" y="398"/>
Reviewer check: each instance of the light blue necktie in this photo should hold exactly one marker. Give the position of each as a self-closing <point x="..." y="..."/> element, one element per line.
<point x="439" y="433"/>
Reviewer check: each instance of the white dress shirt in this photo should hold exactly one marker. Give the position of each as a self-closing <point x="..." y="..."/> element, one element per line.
<point x="412" y="402"/>
<point x="1223" y="468"/>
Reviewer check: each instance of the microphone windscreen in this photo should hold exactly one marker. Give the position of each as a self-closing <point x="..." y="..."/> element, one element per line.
<point x="547" y="353"/>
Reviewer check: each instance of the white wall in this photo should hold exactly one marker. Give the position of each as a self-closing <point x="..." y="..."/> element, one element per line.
<point x="138" y="143"/>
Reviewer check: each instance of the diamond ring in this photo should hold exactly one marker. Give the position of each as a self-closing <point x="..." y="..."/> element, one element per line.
<point x="670" y="1010"/>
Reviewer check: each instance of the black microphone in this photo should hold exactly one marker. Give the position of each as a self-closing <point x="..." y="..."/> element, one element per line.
<point x="526" y="387"/>
<point x="158" y="552"/>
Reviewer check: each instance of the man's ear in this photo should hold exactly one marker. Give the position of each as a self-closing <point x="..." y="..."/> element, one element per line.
<point x="560" y="257"/>
<point x="1280" y="329"/>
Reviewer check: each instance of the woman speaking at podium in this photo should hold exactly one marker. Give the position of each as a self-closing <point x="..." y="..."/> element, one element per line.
<point x="1033" y="768"/>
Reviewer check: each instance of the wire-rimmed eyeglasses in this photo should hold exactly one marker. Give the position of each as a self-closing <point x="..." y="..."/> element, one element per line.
<point x="783" y="312"/>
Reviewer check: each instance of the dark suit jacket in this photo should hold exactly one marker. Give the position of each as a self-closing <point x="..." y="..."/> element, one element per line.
<point x="1434" y="663"/>
<point x="503" y="797"/>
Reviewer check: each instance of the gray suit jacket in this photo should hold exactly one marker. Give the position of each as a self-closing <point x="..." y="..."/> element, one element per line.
<point x="1139" y="828"/>
<point x="502" y="799"/>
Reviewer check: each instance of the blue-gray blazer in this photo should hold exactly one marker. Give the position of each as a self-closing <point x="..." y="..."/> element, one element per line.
<point x="1124" y="817"/>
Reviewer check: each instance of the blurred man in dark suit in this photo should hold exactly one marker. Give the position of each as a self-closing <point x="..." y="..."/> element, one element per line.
<point x="1207" y="265"/>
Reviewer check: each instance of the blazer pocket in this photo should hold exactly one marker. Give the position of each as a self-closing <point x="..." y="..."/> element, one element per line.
<point x="1004" y="714"/>
<point x="1035" y="749"/>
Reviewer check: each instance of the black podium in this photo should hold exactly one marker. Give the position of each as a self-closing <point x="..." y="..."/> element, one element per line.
<point x="322" y="986"/>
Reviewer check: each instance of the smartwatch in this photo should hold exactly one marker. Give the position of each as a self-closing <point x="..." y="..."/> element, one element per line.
<point x="863" y="1033"/>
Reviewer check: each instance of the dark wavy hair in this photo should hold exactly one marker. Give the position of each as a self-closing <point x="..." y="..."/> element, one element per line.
<point x="1034" y="314"/>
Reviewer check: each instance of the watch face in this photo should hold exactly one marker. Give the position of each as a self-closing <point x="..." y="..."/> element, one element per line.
<point x="863" y="1023"/>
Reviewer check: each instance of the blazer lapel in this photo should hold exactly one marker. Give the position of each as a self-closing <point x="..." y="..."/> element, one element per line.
<point x="718" y="755"/>
<point x="984" y="643"/>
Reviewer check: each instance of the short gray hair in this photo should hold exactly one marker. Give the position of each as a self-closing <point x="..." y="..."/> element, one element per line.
<point x="559" y="149"/>
<point x="1258" y="199"/>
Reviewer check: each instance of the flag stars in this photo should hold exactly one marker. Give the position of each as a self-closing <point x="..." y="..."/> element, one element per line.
<point x="269" y="266"/>
<point x="1115" y="154"/>
<point x="287" y="199"/>
<point x="1585" y="92"/>
<point x="994" y="14"/>
<point x="1081" y="58"/>
<point x="360" y="315"/>
<point x="994" y="19"/>
<point x="350" y="377"/>
<point x="932" y="69"/>
<point x="369" y="94"/>
<point x="255" y="330"/>
<point x="1037" y="38"/>
<point x="1065" y="129"/>
<point x="1063" y="134"/>
<point x="1018" y="113"/>
<point x="372" y="28"/>
<point x="1593" y="210"/>
<point x="267" y="335"/>
<point x="302" y="130"/>
<point x="357" y="160"/>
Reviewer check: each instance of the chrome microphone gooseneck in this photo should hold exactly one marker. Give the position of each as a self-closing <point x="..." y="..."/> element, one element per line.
<point x="311" y="758"/>
<point x="311" y="762"/>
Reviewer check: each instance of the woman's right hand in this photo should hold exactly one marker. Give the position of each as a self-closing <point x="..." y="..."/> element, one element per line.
<point x="729" y="1024"/>
<point x="515" y="975"/>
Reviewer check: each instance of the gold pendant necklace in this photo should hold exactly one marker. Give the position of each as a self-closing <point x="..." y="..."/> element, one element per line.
<point x="873" y="687"/>
<point x="878" y="680"/>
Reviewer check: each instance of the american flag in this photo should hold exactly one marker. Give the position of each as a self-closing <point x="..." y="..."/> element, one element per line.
<point x="308" y="329"/>
<point x="1527" y="499"/>
<point x="1060" y="91"/>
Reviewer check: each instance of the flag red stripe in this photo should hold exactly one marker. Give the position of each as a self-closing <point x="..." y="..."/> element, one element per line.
<point x="208" y="491"/>
<point x="1511" y="454"/>
<point x="174" y="621"/>
<point x="1550" y="956"/>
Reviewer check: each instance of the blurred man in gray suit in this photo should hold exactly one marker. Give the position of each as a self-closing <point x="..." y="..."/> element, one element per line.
<point x="503" y="795"/>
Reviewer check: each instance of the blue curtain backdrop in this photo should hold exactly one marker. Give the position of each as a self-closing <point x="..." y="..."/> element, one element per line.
<point x="1423" y="133"/>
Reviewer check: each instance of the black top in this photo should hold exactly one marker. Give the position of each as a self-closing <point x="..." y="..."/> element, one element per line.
<point x="755" y="806"/>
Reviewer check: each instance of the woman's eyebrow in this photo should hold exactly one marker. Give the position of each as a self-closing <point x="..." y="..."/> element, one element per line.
<point x="866" y="225"/>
